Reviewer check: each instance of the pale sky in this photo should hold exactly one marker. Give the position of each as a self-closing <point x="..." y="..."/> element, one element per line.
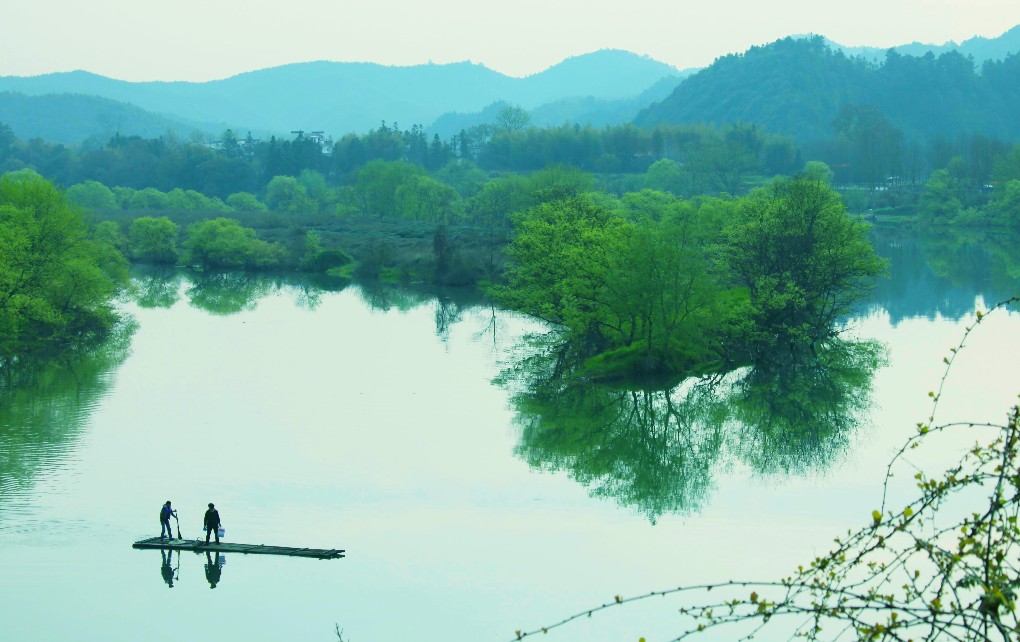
<point x="208" y="39"/>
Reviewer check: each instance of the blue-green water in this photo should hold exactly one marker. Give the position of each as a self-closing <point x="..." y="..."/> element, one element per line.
<point x="470" y="504"/>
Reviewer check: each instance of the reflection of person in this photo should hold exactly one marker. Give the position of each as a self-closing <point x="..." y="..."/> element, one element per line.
<point x="213" y="569"/>
<point x="212" y="523"/>
<point x="168" y="573"/>
<point x="164" y="520"/>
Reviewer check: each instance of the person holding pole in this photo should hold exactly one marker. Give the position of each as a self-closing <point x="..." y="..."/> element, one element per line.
<point x="212" y="523"/>
<point x="164" y="521"/>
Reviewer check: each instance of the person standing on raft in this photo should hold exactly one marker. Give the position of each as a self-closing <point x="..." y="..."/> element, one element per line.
<point x="212" y="523"/>
<point x="164" y="520"/>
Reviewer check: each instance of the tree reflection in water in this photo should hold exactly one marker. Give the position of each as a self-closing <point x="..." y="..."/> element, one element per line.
<point x="657" y="450"/>
<point x="155" y="286"/>
<point x="226" y="293"/>
<point x="46" y="401"/>
<point x="795" y="417"/>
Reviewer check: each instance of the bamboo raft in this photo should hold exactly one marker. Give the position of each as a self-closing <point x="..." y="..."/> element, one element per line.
<point x="226" y="547"/>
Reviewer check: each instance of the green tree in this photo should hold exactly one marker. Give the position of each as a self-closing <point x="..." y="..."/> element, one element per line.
<point x="559" y="262"/>
<point x="498" y="199"/>
<point x="92" y="195"/>
<point x="190" y="201"/>
<point x="376" y="186"/>
<point x="286" y="194"/>
<point x="425" y="199"/>
<point x="666" y="310"/>
<point x="876" y="145"/>
<point x="512" y="118"/>
<point x="1006" y="204"/>
<point x="940" y="201"/>
<point x="665" y="175"/>
<point x="245" y="202"/>
<point x="225" y="243"/>
<point x="722" y="167"/>
<point x="804" y="260"/>
<point x="56" y="284"/>
<point x="149" y="198"/>
<point x="559" y="181"/>
<point x="319" y="259"/>
<point x="1007" y="167"/>
<point x="317" y="189"/>
<point x="463" y="176"/>
<point x="817" y="171"/>
<point x="153" y="240"/>
<point x="108" y="233"/>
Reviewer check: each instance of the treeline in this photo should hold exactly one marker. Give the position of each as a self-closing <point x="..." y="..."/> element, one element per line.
<point x="361" y="174"/>
<point x="233" y="165"/>
<point x="395" y="222"/>
<point x="965" y="194"/>
<point x="644" y="283"/>
<point x="59" y="275"/>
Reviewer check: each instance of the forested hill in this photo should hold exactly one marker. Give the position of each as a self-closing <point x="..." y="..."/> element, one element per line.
<point x="804" y="88"/>
<point x="978" y="48"/>
<point x="74" y="118"/>
<point x="353" y="97"/>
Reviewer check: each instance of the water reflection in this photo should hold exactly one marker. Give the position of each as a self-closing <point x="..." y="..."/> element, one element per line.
<point x="941" y="274"/>
<point x="311" y="287"/>
<point x="156" y="286"/>
<point x="450" y="303"/>
<point x="168" y="572"/>
<point x="658" y="450"/>
<point x="45" y="402"/>
<point x="801" y="416"/>
<point x="213" y="569"/>
<point x="225" y="293"/>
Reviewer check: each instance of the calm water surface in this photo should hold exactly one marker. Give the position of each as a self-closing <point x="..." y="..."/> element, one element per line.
<point x="473" y="495"/>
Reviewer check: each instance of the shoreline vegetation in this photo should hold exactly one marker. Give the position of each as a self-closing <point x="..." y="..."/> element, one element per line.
<point x="645" y="285"/>
<point x="667" y="251"/>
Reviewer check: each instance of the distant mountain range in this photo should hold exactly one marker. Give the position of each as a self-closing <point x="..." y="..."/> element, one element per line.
<point x="978" y="48"/>
<point x="773" y="86"/>
<point x="74" y="118"/>
<point x="338" y="98"/>
<point x="805" y="89"/>
<point x="587" y="110"/>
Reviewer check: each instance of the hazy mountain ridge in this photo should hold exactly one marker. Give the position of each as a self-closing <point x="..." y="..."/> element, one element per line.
<point x="799" y="86"/>
<point x="49" y="117"/>
<point x="343" y="97"/>
<point x="586" y="110"/>
<point x="978" y="47"/>
<point x="780" y="90"/>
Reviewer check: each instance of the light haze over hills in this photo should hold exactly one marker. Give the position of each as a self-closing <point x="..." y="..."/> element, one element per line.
<point x="343" y="97"/>
<point x="600" y="88"/>
<point x="978" y="47"/>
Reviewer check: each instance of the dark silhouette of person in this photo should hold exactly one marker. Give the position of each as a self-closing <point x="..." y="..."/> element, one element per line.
<point x="165" y="514"/>
<point x="166" y="570"/>
<point x="213" y="569"/>
<point x="212" y="523"/>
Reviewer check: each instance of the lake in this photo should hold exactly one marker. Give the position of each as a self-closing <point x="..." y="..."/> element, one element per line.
<point x="473" y="493"/>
